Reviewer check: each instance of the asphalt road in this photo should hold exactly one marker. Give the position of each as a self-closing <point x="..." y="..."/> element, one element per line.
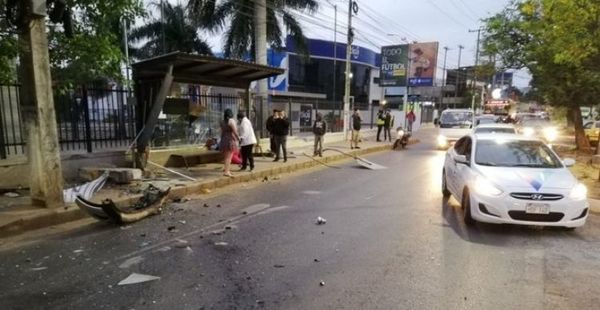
<point x="390" y="242"/>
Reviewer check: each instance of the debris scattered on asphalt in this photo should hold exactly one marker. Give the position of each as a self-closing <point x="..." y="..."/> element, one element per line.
<point x="164" y="249"/>
<point x="245" y="212"/>
<point x="189" y="249"/>
<point x="322" y="233"/>
<point x="316" y="260"/>
<point x="125" y="227"/>
<point x="221" y="243"/>
<point x="11" y="195"/>
<point x="172" y="228"/>
<point x="219" y="205"/>
<point x="266" y="179"/>
<point x="130" y="262"/>
<point x="182" y="222"/>
<point x="39" y="268"/>
<point x="321" y="221"/>
<point x="218" y="232"/>
<point x="136" y="278"/>
<point x="147" y="243"/>
<point x="276" y="178"/>
<point x="142" y="235"/>
<point x="205" y="191"/>
<point x="260" y="302"/>
<point x="206" y="205"/>
<point x="322" y="283"/>
<point x="279" y="266"/>
<point x="181" y="244"/>
<point x="78" y="251"/>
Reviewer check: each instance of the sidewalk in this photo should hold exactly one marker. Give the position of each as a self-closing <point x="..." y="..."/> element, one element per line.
<point x="18" y="216"/>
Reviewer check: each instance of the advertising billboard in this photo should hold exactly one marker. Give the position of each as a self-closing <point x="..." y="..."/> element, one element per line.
<point x="394" y="61"/>
<point x="423" y="64"/>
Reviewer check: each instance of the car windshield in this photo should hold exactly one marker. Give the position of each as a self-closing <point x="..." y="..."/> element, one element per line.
<point x="456" y="117"/>
<point x="486" y="120"/>
<point x="515" y="153"/>
<point x="494" y="130"/>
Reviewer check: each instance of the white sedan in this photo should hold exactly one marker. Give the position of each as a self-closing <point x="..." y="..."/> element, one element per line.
<point x="513" y="179"/>
<point x="495" y="128"/>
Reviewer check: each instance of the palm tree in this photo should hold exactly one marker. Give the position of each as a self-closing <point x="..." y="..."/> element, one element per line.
<point x="173" y="32"/>
<point x="238" y="17"/>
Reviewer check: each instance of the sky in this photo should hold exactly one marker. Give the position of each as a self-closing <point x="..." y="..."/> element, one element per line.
<point x="387" y="22"/>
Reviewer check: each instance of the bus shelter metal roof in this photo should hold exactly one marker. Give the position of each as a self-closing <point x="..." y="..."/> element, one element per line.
<point x="154" y="77"/>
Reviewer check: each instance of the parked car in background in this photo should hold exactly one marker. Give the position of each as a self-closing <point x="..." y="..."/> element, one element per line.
<point x="592" y="131"/>
<point x="486" y="119"/>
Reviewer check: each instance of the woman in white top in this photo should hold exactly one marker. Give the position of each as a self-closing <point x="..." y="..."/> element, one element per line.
<point x="247" y="141"/>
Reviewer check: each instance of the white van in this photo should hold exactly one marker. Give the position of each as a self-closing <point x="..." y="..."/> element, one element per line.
<point x="453" y="124"/>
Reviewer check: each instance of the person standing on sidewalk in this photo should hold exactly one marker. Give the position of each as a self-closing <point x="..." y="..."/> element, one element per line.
<point x="379" y="122"/>
<point x="388" y="123"/>
<point x="269" y="125"/>
<point x="410" y="119"/>
<point x="247" y="141"/>
<point x="319" y="129"/>
<point x="229" y="140"/>
<point x="281" y="128"/>
<point x="356" y="124"/>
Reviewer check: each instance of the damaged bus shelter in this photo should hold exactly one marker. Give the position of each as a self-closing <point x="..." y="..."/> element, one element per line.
<point x="154" y="77"/>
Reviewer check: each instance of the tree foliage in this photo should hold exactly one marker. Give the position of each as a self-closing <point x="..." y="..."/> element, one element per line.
<point x="174" y="32"/>
<point x="557" y="40"/>
<point x="94" y="50"/>
<point x="236" y="18"/>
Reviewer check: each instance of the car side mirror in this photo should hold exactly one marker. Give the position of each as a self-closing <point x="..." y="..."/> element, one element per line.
<point x="569" y="162"/>
<point x="461" y="159"/>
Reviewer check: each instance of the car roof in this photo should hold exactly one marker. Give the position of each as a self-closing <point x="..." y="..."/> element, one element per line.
<point x="507" y="136"/>
<point x="496" y="125"/>
<point x="457" y="110"/>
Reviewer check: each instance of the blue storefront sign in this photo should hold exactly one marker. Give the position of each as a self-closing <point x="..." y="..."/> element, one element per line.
<point x="278" y="59"/>
<point x="416" y="82"/>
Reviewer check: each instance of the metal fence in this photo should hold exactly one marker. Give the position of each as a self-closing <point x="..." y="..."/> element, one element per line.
<point x="88" y="119"/>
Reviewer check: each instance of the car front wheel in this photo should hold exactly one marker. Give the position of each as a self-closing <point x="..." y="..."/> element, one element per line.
<point x="445" y="190"/>
<point x="466" y="206"/>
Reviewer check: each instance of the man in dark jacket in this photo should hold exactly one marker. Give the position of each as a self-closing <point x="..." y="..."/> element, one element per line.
<point x="281" y="128"/>
<point x="380" y="122"/>
<point x="269" y="126"/>
<point x="319" y="129"/>
<point x="387" y="124"/>
<point x="356" y="125"/>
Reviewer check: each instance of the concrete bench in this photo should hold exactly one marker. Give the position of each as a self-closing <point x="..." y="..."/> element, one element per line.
<point x="192" y="159"/>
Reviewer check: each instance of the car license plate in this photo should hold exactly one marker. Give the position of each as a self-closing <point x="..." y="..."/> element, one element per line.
<point x="537" y="208"/>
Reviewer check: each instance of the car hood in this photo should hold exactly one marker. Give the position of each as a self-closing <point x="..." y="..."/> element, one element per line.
<point x="529" y="179"/>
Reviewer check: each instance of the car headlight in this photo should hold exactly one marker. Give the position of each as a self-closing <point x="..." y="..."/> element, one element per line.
<point x="550" y="133"/>
<point x="528" y="131"/>
<point x="400" y="133"/>
<point x="484" y="187"/>
<point x="441" y="140"/>
<point x="579" y="192"/>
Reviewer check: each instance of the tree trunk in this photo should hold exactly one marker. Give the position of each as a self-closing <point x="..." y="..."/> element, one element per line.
<point x="570" y="117"/>
<point x="582" y="142"/>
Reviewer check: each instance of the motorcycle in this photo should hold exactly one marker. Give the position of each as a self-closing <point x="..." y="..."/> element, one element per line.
<point x="402" y="137"/>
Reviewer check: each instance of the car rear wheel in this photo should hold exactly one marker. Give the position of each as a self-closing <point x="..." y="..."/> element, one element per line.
<point x="445" y="190"/>
<point x="466" y="206"/>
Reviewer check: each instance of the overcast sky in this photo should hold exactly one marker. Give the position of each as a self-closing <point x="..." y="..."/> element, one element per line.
<point x="386" y="22"/>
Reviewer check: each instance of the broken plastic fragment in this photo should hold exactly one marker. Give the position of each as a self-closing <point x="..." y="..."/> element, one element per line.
<point x="321" y="221"/>
<point x="136" y="278"/>
<point x="130" y="262"/>
<point x="322" y="283"/>
<point x="221" y="243"/>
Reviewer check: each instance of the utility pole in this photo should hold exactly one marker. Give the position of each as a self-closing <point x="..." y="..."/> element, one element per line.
<point x="351" y="3"/>
<point x="37" y="108"/>
<point x="162" y="26"/>
<point x="334" y="52"/>
<point x="260" y="37"/>
<point x="444" y="77"/>
<point x="460" y="48"/>
<point x="475" y="69"/>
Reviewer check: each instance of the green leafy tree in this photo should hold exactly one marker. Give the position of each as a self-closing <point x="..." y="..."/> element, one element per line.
<point x="557" y="40"/>
<point x="93" y="51"/>
<point x="236" y="18"/>
<point x="175" y="31"/>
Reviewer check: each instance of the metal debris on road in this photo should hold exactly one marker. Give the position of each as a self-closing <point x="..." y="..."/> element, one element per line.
<point x="182" y="222"/>
<point x="136" y="278"/>
<point x="321" y="221"/>
<point x="322" y="283"/>
<point x="78" y="251"/>
<point x="38" y="268"/>
<point x="130" y="262"/>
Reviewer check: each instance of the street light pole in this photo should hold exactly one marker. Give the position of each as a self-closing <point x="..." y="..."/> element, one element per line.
<point x="475" y="70"/>
<point x="348" y="71"/>
<point x="444" y="77"/>
<point x="460" y="48"/>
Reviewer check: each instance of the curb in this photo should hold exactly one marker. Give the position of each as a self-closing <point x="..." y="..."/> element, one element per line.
<point x="73" y="213"/>
<point x="594" y="206"/>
